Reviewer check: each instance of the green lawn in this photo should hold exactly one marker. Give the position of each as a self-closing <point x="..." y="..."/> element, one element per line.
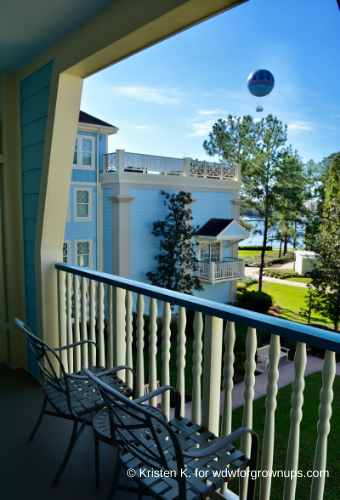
<point x="300" y="280"/>
<point x="251" y="253"/>
<point x="291" y="300"/>
<point x="307" y="439"/>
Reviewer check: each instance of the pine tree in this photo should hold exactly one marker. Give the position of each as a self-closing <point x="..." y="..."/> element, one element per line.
<point x="326" y="278"/>
<point x="177" y="262"/>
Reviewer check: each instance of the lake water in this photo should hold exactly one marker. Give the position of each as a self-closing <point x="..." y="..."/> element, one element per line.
<point x="258" y="238"/>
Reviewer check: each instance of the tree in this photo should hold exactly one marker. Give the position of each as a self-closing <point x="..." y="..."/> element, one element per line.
<point x="326" y="278"/>
<point x="177" y="262"/>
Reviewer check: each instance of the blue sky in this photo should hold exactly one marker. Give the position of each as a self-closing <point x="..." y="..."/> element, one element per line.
<point x="166" y="99"/>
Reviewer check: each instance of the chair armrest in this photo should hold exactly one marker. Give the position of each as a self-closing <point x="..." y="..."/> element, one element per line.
<point x="285" y="349"/>
<point x="215" y="447"/>
<point x="117" y="369"/>
<point x="156" y="392"/>
<point x="75" y="344"/>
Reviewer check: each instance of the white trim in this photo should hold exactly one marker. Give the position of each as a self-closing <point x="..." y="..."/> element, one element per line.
<point x="78" y="183"/>
<point x="90" y="250"/>
<point x="79" y="165"/>
<point x="93" y="127"/>
<point x="68" y="213"/>
<point x="68" y="243"/>
<point x="82" y="219"/>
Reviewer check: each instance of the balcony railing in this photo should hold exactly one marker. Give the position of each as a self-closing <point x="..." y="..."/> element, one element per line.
<point x="213" y="272"/>
<point x="116" y="298"/>
<point x="121" y="161"/>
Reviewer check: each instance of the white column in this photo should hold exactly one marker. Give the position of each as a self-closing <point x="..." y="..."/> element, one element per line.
<point x="211" y="271"/>
<point x="186" y="167"/>
<point x="120" y="160"/>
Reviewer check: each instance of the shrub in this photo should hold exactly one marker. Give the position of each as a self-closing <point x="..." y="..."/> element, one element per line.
<point x="248" y="281"/>
<point x="280" y="273"/>
<point x="255" y="247"/>
<point x="256" y="301"/>
<point x="241" y="287"/>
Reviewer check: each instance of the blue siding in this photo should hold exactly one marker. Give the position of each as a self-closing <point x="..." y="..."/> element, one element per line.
<point x="102" y="150"/>
<point x="34" y="97"/>
<point x="107" y="232"/>
<point x="233" y="230"/>
<point x="218" y="292"/>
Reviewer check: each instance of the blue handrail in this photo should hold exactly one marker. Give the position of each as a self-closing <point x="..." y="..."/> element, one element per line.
<point x="284" y="328"/>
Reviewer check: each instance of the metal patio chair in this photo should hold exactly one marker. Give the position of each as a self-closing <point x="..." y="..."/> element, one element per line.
<point x="70" y="395"/>
<point x="176" y="460"/>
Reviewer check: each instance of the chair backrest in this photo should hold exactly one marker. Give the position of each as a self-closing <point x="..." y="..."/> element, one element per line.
<point x="45" y="356"/>
<point x="264" y="351"/>
<point x="136" y="430"/>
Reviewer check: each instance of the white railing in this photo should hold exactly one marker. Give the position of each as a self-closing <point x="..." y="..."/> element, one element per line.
<point x="121" y="161"/>
<point x="118" y="297"/>
<point x="216" y="271"/>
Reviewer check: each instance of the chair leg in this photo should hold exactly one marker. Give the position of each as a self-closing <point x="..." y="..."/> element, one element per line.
<point x="74" y="437"/>
<point x="39" y="420"/>
<point x="253" y="466"/>
<point x="115" y="480"/>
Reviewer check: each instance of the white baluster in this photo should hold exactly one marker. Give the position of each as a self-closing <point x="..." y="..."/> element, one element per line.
<point x="109" y="327"/>
<point x="119" y="334"/>
<point x="269" y="426"/>
<point x="212" y="368"/>
<point x="292" y="463"/>
<point x="76" y="331"/>
<point x="166" y="344"/>
<point x="69" y="321"/>
<point x="62" y="317"/>
<point x="197" y="369"/>
<point x="181" y="323"/>
<point x="140" y="346"/>
<point x="153" y="349"/>
<point x="100" y="324"/>
<point x="93" y="350"/>
<point x="129" y="337"/>
<point x="325" y="412"/>
<point x="249" y="382"/>
<point x="228" y="378"/>
<point x="83" y="289"/>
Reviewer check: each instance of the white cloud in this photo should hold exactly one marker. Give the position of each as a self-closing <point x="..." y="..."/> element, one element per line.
<point x="201" y="128"/>
<point x="301" y="125"/>
<point x="161" y="96"/>
<point x="211" y="112"/>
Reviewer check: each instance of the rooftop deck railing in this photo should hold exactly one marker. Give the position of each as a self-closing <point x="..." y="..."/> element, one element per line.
<point x="121" y="161"/>
<point x="115" y="297"/>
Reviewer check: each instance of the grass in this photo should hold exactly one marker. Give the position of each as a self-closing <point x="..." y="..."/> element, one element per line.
<point x="308" y="438"/>
<point x="300" y="280"/>
<point x="251" y="253"/>
<point x="291" y="299"/>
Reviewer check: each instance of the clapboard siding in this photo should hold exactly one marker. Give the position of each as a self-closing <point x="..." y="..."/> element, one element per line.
<point x="34" y="97"/>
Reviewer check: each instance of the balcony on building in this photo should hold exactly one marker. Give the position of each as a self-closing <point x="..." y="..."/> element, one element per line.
<point x="215" y="240"/>
<point x="123" y="162"/>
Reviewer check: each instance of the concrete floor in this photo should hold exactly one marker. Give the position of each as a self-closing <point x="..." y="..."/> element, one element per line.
<point x="27" y="469"/>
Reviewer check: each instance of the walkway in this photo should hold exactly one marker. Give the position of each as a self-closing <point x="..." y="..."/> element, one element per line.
<point x="286" y="376"/>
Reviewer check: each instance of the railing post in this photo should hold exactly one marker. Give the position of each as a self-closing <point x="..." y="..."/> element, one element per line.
<point x="212" y="271"/>
<point x="238" y="173"/>
<point x="212" y="373"/>
<point x="186" y="166"/>
<point x="119" y="343"/>
<point x="120" y="160"/>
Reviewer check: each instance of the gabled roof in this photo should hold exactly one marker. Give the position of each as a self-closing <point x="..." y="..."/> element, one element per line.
<point x="222" y="229"/>
<point x="214" y="227"/>
<point x="92" y="120"/>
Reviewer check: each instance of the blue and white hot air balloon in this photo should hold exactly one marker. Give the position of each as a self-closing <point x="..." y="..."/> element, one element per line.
<point x="260" y="83"/>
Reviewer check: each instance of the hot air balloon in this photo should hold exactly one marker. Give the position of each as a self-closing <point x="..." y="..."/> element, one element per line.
<point x="260" y="83"/>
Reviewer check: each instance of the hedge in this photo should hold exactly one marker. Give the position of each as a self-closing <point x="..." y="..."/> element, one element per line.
<point x="255" y="247"/>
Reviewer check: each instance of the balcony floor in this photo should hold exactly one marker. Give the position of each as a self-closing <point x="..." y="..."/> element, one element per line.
<point x="27" y="469"/>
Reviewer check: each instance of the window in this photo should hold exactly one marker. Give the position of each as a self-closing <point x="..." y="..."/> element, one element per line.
<point x="82" y="205"/>
<point x="83" y="253"/>
<point x="83" y="156"/>
<point x="65" y="252"/>
<point x="211" y="252"/>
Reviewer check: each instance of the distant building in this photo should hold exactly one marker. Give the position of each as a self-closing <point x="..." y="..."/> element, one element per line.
<point x="116" y="197"/>
<point x="311" y="205"/>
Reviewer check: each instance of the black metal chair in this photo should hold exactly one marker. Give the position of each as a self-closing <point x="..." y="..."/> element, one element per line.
<point x="178" y="460"/>
<point x="71" y="396"/>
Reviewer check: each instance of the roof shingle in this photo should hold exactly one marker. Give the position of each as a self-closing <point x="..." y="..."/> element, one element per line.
<point x="213" y="227"/>
<point x="86" y="118"/>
